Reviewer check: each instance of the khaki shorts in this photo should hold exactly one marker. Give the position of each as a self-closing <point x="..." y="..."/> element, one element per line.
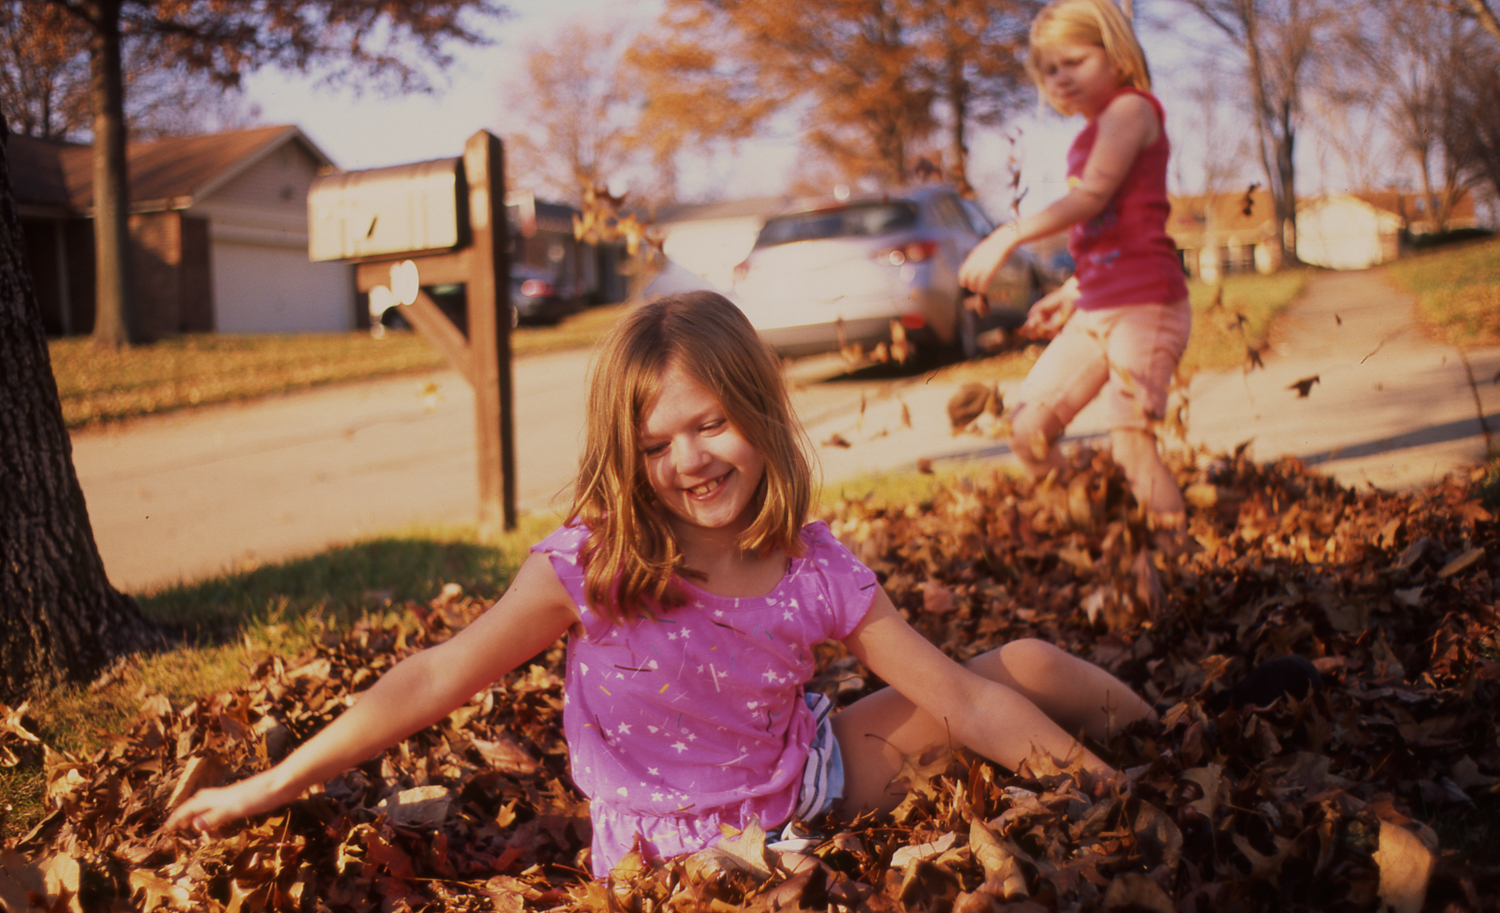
<point x="1127" y="352"/>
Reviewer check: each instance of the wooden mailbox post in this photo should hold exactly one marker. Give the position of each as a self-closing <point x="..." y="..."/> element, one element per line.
<point x="438" y="223"/>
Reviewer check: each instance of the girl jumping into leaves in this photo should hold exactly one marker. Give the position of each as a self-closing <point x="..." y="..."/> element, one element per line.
<point x="692" y="590"/>
<point x="1122" y="322"/>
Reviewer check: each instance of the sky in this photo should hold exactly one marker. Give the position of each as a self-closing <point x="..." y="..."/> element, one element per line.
<point x="371" y="131"/>
<point x="361" y="131"/>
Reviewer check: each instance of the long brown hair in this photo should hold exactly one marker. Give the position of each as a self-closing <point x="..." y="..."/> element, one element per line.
<point x="632" y="554"/>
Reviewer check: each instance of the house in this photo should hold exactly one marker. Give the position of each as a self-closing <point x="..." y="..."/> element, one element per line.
<point x="1225" y="233"/>
<point x="218" y="234"/>
<point x="1236" y="232"/>
<point x="1359" y="230"/>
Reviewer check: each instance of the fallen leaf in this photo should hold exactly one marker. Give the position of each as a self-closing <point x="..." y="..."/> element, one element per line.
<point x="1303" y="386"/>
<point x="1462" y="563"/>
<point x="920" y="851"/>
<point x="1406" y="866"/>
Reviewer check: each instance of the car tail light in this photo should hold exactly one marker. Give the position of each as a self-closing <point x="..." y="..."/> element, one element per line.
<point x="913" y="321"/>
<point x="536" y="288"/>
<point x="911" y="252"/>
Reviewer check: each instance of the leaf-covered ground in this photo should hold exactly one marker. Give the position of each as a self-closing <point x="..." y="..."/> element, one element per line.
<point x="1379" y="789"/>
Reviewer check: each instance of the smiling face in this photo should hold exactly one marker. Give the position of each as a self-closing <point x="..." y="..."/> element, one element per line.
<point x="701" y="468"/>
<point x="1077" y="78"/>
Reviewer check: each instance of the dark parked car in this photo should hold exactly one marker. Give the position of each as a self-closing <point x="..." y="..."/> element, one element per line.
<point x="535" y="298"/>
<point x="854" y="265"/>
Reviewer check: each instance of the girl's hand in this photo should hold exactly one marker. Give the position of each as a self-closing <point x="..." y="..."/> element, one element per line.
<point x="423" y="688"/>
<point x="984" y="261"/>
<point x="210" y="809"/>
<point x="1049" y="314"/>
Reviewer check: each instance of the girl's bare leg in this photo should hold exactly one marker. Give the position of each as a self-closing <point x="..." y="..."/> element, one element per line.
<point x="1033" y="439"/>
<point x="1049" y="687"/>
<point x="1154" y="488"/>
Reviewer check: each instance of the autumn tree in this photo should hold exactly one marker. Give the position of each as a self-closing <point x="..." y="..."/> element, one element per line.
<point x="868" y="77"/>
<point x="571" y="118"/>
<point x="970" y="51"/>
<point x="1415" y="65"/>
<point x="1476" y="128"/>
<point x="62" y="620"/>
<point x="43" y="71"/>
<point x="1482" y="11"/>
<point x="389" y="41"/>
<point x="1280" y="41"/>
<point x="44" y="66"/>
<point x="1474" y="81"/>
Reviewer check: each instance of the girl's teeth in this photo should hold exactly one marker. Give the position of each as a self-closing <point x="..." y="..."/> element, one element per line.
<point x="705" y="488"/>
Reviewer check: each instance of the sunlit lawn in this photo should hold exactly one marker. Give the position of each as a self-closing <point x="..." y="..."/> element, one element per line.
<point x="183" y="371"/>
<point x="1457" y="289"/>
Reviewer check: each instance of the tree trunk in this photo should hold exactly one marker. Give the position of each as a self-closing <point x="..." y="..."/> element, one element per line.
<point x="1286" y="200"/>
<point x="958" y="140"/>
<point x="59" y="617"/>
<point x="113" y="327"/>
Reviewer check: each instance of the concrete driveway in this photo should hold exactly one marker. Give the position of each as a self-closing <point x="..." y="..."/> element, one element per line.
<point x="226" y="488"/>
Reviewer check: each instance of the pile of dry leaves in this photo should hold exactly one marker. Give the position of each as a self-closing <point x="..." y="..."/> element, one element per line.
<point x="1324" y="804"/>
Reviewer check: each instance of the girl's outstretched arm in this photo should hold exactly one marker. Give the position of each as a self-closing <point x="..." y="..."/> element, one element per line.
<point x="423" y="688"/>
<point x="1027" y="695"/>
<point x="1128" y="125"/>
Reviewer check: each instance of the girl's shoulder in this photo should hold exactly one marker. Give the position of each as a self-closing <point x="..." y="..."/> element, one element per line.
<point x="562" y="547"/>
<point x="567" y="540"/>
<point x="1138" y="102"/>
<point x="823" y="552"/>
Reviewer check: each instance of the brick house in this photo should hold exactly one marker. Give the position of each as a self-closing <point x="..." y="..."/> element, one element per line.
<point x="218" y="234"/>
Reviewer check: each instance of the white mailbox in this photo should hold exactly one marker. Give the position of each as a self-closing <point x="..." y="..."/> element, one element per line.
<point x="406" y="209"/>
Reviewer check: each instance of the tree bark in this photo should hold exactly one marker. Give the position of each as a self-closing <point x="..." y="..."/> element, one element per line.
<point x="60" y="619"/>
<point x="113" y="326"/>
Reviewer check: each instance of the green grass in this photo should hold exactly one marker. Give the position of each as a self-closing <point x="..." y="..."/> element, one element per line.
<point x="1457" y="289"/>
<point x="1221" y="338"/>
<point x="98" y="386"/>
<point x="222" y="627"/>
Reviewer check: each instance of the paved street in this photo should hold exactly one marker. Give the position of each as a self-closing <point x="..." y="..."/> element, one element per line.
<point x="191" y="494"/>
<point x="195" y="493"/>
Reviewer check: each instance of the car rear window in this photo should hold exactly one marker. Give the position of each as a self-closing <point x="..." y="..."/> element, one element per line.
<point x="858" y="220"/>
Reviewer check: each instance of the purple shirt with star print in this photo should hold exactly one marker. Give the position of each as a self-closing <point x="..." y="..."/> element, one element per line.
<point x="697" y="718"/>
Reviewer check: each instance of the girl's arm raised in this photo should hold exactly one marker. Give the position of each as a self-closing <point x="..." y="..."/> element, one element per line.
<point x="423" y="688"/>
<point x="1128" y="125"/>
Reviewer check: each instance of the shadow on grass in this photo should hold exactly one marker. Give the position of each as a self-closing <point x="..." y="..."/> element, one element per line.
<point x="215" y="631"/>
<point x="339" y="585"/>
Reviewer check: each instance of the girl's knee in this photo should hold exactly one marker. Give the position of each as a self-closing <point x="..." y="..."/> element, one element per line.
<point x="1033" y="659"/>
<point x="1023" y="663"/>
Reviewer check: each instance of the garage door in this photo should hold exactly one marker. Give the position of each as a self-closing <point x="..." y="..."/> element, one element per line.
<point x="266" y="289"/>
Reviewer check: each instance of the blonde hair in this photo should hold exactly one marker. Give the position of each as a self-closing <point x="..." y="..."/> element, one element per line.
<point x="1096" y="22"/>
<point x="632" y="554"/>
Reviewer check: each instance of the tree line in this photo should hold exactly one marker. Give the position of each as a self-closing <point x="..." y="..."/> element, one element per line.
<point x="877" y="89"/>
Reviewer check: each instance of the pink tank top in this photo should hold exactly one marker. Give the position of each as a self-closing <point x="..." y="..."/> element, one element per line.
<point x="1124" y="255"/>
